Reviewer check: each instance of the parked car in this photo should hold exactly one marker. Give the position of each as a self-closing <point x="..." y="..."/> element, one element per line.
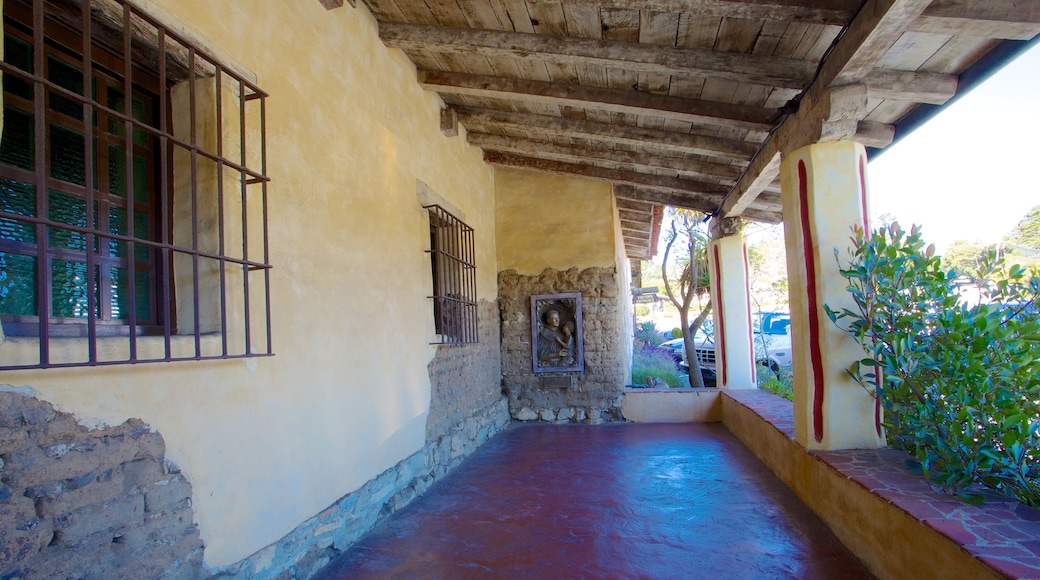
<point x="772" y="336"/>
<point x="675" y="348"/>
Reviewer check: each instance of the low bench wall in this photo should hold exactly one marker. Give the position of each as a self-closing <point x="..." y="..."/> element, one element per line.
<point x="887" y="515"/>
<point x="672" y="406"/>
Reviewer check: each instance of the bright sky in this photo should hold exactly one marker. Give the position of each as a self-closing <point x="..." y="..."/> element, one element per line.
<point x="971" y="172"/>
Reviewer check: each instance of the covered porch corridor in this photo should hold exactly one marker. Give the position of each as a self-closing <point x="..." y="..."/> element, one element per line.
<point x="637" y="500"/>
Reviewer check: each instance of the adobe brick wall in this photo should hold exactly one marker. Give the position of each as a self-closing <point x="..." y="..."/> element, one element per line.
<point x="596" y="393"/>
<point x="89" y="503"/>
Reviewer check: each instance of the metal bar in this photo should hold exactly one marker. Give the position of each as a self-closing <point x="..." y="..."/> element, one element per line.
<point x="88" y="183"/>
<point x="166" y="280"/>
<point x="194" y="202"/>
<point x="245" y="218"/>
<point x="128" y="142"/>
<point x="220" y="213"/>
<point x="43" y="271"/>
<point x="263" y="193"/>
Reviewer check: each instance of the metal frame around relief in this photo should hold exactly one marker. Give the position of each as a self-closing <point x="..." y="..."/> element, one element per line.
<point x="559" y="349"/>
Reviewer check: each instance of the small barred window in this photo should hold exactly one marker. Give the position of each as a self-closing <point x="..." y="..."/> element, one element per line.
<point x="452" y="261"/>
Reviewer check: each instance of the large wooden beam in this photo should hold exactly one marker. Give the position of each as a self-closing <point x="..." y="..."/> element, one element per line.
<point x="741" y="117"/>
<point x="876" y="27"/>
<point x="718" y="172"/>
<point x="1003" y="19"/>
<point x="628" y="56"/>
<point x="609" y="133"/>
<point x="708" y="193"/>
<point x="681" y="200"/>
<point x="836" y="12"/>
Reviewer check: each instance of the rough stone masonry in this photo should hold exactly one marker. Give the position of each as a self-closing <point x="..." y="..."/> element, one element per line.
<point x="79" y="503"/>
<point x="592" y="396"/>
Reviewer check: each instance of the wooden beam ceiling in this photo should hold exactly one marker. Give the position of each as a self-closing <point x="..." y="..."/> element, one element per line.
<point x="691" y="103"/>
<point x="873" y="31"/>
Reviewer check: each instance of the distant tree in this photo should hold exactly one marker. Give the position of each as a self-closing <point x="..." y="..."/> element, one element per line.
<point x="688" y="239"/>
<point x="1024" y="238"/>
<point x="963" y="257"/>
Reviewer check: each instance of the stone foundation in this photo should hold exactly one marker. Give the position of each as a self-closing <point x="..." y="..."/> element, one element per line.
<point x="591" y="396"/>
<point x="82" y="503"/>
<point x="466" y="409"/>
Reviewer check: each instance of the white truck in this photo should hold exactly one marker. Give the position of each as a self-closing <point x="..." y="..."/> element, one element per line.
<point x="772" y="335"/>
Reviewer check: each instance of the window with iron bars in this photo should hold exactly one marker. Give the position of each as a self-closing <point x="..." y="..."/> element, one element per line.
<point x="452" y="262"/>
<point x="133" y="193"/>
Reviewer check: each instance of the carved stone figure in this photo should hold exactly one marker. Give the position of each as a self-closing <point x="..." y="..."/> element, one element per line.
<point x="556" y="338"/>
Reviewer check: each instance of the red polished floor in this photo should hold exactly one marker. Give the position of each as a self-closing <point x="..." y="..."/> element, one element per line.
<point x="606" y="501"/>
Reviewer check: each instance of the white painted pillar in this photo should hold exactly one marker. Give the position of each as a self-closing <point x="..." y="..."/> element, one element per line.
<point x="824" y="197"/>
<point x="731" y="304"/>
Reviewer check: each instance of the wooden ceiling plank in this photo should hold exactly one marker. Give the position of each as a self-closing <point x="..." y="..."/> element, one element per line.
<point x="978" y="28"/>
<point x="719" y="172"/>
<point x="918" y="87"/>
<point x="815" y="11"/>
<point x="684" y="142"/>
<point x="629" y="56"/>
<point x="877" y="26"/>
<point x="1003" y="19"/>
<point x="708" y="192"/>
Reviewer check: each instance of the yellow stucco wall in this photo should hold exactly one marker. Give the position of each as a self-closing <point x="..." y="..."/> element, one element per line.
<point x="554" y="221"/>
<point x="268" y="443"/>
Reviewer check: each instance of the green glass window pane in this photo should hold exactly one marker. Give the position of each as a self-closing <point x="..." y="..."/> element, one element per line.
<point x="140" y="179"/>
<point x="117" y="170"/>
<point x="19" y="54"/>
<point x="69" y="289"/>
<point x="143" y="281"/>
<point x="139" y="114"/>
<point x="141" y="252"/>
<point x="69" y="77"/>
<point x="17" y="284"/>
<point x="116" y="103"/>
<point x="19" y="198"/>
<point x="121" y="295"/>
<point x="117" y="225"/>
<point x="67" y="209"/>
<point x="67" y="155"/>
<point x="16" y="146"/>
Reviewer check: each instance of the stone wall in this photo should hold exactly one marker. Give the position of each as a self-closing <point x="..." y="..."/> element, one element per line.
<point x="592" y="396"/>
<point x="89" y="503"/>
<point x="466" y="409"/>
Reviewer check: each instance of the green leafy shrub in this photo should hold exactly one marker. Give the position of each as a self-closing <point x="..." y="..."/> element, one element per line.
<point x="647" y="333"/>
<point x="649" y="361"/>
<point x="778" y="384"/>
<point x="961" y="382"/>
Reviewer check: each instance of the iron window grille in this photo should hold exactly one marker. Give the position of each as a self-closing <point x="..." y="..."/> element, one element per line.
<point x="133" y="193"/>
<point x="454" y="278"/>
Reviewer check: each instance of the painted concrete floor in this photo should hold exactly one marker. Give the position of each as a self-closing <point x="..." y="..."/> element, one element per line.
<point x="606" y="501"/>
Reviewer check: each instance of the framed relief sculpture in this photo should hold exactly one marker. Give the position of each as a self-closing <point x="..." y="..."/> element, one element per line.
<point x="557" y="339"/>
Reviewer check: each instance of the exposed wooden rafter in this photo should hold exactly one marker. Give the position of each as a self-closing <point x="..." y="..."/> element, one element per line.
<point x="837" y="12"/>
<point x="717" y="172"/>
<point x="732" y="116"/>
<point x="629" y="56"/>
<point x="611" y="133"/>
